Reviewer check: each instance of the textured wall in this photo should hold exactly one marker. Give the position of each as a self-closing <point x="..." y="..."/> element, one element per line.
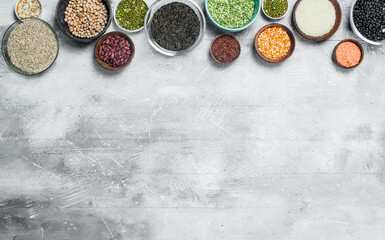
<point x="181" y="148"/>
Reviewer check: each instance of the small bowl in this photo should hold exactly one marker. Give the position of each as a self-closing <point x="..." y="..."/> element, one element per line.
<point x="101" y="40"/>
<point x="60" y="9"/>
<point x="355" y="30"/>
<point x="272" y="18"/>
<point x="17" y="5"/>
<point x="257" y="8"/>
<point x="211" y="49"/>
<point x="337" y="23"/>
<point x="4" y="45"/>
<point x="292" y="43"/>
<point x="123" y="29"/>
<point x="150" y="14"/>
<point x="352" y="41"/>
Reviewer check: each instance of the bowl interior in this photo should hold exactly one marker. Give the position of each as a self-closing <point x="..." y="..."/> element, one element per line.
<point x="4" y="48"/>
<point x="334" y="29"/>
<point x="17" y="6"/>
<point x="355" y="30"/>
<point x="123" y="29"/>
<point x="101" y="40"/>
<point x="352" y="41"/>
<point x="60" y="9"/>
<point x="211" y="49"/>
<point x="257" y="7"/>
<point x="150" y="14"/>
<point x="292" y="43"/>
<point x="273" y="18"/>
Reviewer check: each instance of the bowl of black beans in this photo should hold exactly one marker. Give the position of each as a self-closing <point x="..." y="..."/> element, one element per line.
<point x="174" y="27"/>
<point x="367" y="19"/>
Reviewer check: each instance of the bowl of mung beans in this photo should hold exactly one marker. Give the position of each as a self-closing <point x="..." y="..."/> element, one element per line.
<point x="83" y="20"/>
<point x="232" y="15"/>
<point x="275" y="9"/>
<point x="129" y="15"/>
<point x="30" y="46"/>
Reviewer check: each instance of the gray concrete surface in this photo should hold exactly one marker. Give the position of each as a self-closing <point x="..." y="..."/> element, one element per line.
<point x="181" y="148"/>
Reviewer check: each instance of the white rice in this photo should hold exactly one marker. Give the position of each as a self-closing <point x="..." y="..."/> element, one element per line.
<point x="315" y="17"/>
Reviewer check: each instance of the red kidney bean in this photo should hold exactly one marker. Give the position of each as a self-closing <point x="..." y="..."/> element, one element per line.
<point x="115" y="51"/>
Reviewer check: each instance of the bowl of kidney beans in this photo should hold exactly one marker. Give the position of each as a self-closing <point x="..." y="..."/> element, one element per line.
<point x="367" y="19"/>
<point x="114" y="51"/>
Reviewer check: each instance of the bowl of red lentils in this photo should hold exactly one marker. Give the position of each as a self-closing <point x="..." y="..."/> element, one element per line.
<point x="83" y="20"/>
<point x="274" y="43"/>
<point x="348" y="54"/>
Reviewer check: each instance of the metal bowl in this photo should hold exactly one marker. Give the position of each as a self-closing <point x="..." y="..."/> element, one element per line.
<point x="355" y="30"/>
<point x="150" y="14"/>
<point x="123" y="29"/>
<point x="4" y="46"/>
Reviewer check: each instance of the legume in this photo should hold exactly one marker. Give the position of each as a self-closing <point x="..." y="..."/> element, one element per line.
<point x="275" y="8"/>
<point x="115" y="51"/>
<point x="231" y="13"/>
<point x="28" y="8"/>
<point x="32" y="46"/>
<point x="348" y="54"/>
<point x="274" y="43"/>
<point x="130" y="14"/>
<point x="86" y="18"/>
<point x="369" y="18"/>
<point x="225" y="49"/>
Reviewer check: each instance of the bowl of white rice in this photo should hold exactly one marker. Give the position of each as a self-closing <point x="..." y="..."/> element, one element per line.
<point x="317" y="20"/>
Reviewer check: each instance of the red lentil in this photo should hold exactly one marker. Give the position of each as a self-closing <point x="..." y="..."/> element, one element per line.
<point x="225" y="49"/>
<point x="274" y="43"/>
<point x="348" y="54"/>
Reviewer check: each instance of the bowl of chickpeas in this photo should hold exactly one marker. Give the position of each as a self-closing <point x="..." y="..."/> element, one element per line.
<point x="83" y="20"/>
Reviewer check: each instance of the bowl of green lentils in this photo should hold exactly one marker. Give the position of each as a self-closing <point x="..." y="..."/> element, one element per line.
<point x="232" y="15"/>
<point x="129" y="15"/>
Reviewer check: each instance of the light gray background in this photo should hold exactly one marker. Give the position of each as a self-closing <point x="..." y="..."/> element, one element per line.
<point x="181" y="148"/>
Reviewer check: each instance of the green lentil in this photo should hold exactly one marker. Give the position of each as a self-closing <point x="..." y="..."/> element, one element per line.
<point x="275" y="8"/>
<point x="232" y="13"/>
<point x="130" y="14"/>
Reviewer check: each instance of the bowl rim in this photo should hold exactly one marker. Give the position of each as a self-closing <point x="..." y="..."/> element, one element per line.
<point x="211" y="49"/>
<point x="355" y="30"/>
<point x="4" y="40"/>
<point x="334" y="29"/>
<point x="123" y="29"/>
<point x="181" y="52"/>
<point x="272" y="18"/>
<point x="352" y="41"/>
<point x="233" y="29"/>
<point x="78" y="39"/>
<point x="292" y="43"/>
<point x="17" y="5"/>
<point x="105" y="65"/>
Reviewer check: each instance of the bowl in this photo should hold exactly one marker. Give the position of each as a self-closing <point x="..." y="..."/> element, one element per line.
<point x="17" y="5"/>
<point x="348" y="40"/>
<point x="123" y="29"/>
<point x="272" y="18"/>
<point x="4" y="45"/>
<point x="355" y="30"/>
<point x="150" y="14"/>
<point x="292" y="41"/>
<point x="101" y="40"/>
<point x="60" y="9"/>
<point x="211" y="49"/>
<point x="257" y="7"/>
<point x="336" y="25"/>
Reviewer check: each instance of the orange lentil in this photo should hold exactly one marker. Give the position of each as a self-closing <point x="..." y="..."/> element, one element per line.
<point x="348" y="54"/>
<point x="274" y="43"/>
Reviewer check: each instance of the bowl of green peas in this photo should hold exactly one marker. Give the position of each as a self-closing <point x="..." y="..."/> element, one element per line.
<point x="275" y="9"/>
<point x="129" y="15"/>
<point x="232" y="15"/>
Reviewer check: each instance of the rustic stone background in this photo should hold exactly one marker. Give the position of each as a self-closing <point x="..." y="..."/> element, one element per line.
<point x="181" y="148"/>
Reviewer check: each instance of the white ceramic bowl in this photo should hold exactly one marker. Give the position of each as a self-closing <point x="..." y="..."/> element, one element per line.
<point x="17" y="4"/>
<point x="123" y="29"/>
<point x="355" y="30"/>
<point x="271" y="18"/>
